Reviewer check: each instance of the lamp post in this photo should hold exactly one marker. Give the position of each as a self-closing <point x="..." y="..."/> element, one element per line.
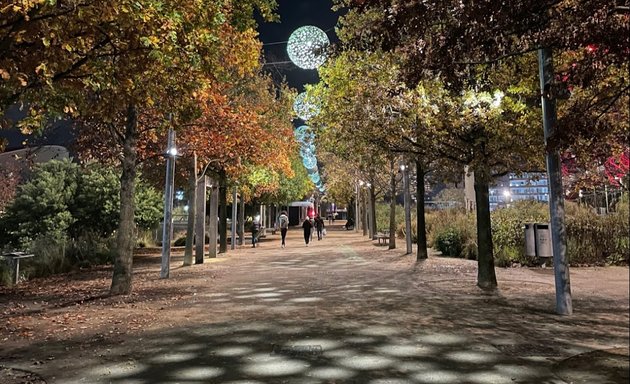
<point x="171" y="154"/>
<point x="362" y="208"/>
<point x="407" y="200"/>
<point x="507" y="194"/>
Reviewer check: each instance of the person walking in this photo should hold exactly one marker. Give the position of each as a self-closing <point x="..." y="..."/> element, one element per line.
<point x="255" y="231"/>
<point x="308" y="227"/>
<point x="319" y="225"/>
<point x="283" y="222"/>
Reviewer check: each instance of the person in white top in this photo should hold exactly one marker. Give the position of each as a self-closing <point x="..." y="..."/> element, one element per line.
<point x="283" y="222"/>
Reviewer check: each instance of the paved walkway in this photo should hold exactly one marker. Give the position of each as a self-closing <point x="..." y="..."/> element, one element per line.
<point x="346" y="311"/>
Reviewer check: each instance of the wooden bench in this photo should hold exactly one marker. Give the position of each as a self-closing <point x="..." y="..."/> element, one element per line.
<point x="14" y="259"/>
<point x="384" y="237"/>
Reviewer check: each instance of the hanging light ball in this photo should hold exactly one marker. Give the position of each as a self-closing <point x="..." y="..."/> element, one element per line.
<point x="305" y="135"/>
<point x="307" y="47"/>
<point x="309" y="161"/>
<point x="315" y="178"/>
<point x="305" y="108"/>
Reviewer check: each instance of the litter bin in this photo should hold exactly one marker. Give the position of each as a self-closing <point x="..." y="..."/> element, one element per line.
<point x="543" y="240"/>
<point x="530" y="240"/>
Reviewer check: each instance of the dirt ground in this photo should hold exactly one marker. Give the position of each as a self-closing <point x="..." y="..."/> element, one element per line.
<point x="342" y="310"/>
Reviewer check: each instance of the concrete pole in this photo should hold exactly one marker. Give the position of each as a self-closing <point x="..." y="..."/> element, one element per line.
<point x="564" y="305"/>
<point x="234" y="213"/>
<point x="168" y="205"/>
<point x="407" y="200"/>
<point x="368" y="211"/>
<point x="364" y="217"/>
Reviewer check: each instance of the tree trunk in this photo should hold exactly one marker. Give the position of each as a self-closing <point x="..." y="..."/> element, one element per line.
<point x="123" y="261"/>
<point x="214" y="214"/>
<point x="200" y="220"/>
<point x="241" y="222"/>
<point x="192" y="205"/>
<point x="392" y="206"/>
<point x="421" y="226"/>
<point x="222" y="212"/>
<point x="486" y="278"/>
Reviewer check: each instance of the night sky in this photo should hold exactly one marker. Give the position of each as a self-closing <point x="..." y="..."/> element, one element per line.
<point x="295" y="14"/>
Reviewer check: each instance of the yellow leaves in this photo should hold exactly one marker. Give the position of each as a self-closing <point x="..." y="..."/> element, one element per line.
<point x="4" y="75"/>
<point x="23" y="79"/>
<point x="41" y="69"/>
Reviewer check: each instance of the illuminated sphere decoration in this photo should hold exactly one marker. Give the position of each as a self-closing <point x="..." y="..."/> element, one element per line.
<point x="304" y="108"/>
<point x="307" y="47"/>
<point x="315" y="178"/>
<point x="305" y="135"/>
<point x="309" y="161"/>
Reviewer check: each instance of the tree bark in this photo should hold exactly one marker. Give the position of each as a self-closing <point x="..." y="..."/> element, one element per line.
<point x="241" y="222"/>
<point x="392" y="206"/>
<point x="200" y="220"/>
<point x="192" y="205"/>
<point x="421" y="225"/>
<point x="222" y="212"/>
<point x="123" y="261"/>
<point x="373" y="211"/>
<point x="214" y="214"/>
<point x="486" y="277"/>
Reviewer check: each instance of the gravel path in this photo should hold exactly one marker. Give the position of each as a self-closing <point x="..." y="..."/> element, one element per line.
<point x="339" y="311"/>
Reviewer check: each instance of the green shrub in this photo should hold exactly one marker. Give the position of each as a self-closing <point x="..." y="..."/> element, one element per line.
<point x="145" y="238"/>
<point x="450" y="242"/>
<point x="446" y="226"/>
<point x="90" y="248"/>
<point x="50" y="258"/>
<point x="41" y="206"/>
<point x="67" y="216"/>
<point x="6" y="274"/>
<point x="591" y="238"/>
<point x="382" y="216"/>
<point x="597" y="239"/>
<point x="508" y="233"/>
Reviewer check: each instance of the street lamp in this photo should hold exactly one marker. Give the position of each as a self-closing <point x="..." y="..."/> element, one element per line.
<point x="167" y="227"/>
<point x="508" y="199"/>
<point x="407" y="201"/>
<point x="361" y="216"/>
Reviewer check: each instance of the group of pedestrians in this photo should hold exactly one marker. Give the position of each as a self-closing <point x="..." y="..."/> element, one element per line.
<point x="311" y="225"/>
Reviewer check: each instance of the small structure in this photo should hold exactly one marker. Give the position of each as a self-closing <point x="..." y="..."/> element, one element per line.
<point x="14" y="260"/>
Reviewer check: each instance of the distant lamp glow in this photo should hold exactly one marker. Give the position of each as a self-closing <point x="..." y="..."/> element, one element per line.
<point x="507" y="193"/>
<point x="305" y="108"/>
<point x="307" y="47"/>
<point x="498" y="96"/>
<point x="172" y="151"/>
<point x="402" y="167"/>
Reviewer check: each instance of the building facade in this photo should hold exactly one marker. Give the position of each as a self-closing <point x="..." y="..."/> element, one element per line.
<point x="515" y="187"/>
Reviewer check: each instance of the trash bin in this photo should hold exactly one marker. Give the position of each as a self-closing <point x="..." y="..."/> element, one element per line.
<point x="543" y="240"/>
<point x="530" y="240"/>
